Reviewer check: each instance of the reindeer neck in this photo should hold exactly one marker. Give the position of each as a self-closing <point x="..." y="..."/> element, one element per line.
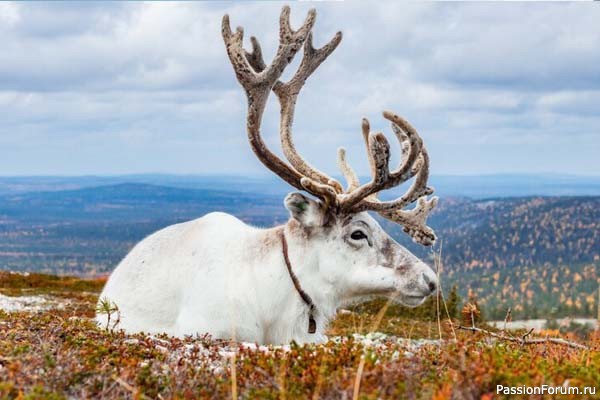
<point x="304" y="258"/>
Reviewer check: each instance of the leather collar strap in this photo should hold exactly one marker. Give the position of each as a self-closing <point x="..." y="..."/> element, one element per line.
<point x="312" y="325"/>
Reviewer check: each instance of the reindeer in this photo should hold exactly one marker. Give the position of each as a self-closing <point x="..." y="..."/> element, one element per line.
<point x="219" y="276"/>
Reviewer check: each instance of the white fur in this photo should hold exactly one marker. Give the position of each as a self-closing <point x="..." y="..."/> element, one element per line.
<point x="220" y="276"/>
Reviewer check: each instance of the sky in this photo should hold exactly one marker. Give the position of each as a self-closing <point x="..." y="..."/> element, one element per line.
<point x="124" y="88"/>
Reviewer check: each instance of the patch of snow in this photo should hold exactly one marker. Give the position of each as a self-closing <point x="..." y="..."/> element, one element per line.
<point x="217" y="357"/>
<point x="158" y="340"/>
<point x="485" y="204"/>
<point x="381" y="340"/>
<point x="19" y="273"/>
<point x="29" y="303"/>
<point x="162" y="349"/>
<point x="539" y="324"/>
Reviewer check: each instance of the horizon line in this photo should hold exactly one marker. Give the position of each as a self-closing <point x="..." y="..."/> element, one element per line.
<point x="266" y="175"/>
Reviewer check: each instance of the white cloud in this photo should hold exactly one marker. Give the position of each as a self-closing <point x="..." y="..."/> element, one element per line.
<point x="153" y="80"/>
<point x="9" y="14"/>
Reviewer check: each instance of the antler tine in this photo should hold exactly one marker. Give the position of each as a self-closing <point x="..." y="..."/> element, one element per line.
<point x="366" y="129"/>
<point x="402" y="139"/>
<point x="411" y="145"/>
<point x="323" y="191"/>
<point x="418" y="189"/>
<point x="265" y="76"/>
<point x="286" y="31"/>
<point x="347" y="171"/>
<point x="234" y="45"/>
<point x="311" y="60"/>
<point x="255" y="57"/>
<point x="288" y="94"/>
<point x="378" y="150"/>
<point x="290" y="41"/>
<point x="414" y="221"/>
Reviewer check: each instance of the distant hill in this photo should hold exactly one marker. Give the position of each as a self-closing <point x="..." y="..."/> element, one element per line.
<point x="134" y="201"/>
<point x="539" y="255"/>
<point x="477" y="186"/>
<point x="87" y="231"/>
<point x="499" y="233"/>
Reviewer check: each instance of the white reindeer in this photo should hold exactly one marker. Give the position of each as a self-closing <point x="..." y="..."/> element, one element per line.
<point x="220" y="276"/>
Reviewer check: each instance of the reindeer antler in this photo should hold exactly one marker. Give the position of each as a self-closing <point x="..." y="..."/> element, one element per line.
<point x="258" y="80"/>
<point x="415" y="163"/>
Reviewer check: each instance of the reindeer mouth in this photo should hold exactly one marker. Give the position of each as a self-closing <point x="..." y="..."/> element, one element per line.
<point x="410" y="300"/>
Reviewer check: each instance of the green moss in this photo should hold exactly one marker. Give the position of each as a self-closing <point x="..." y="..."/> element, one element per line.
<point x="36" y="283"/>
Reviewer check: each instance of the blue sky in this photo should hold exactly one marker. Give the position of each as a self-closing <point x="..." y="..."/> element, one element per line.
<point x="118" y="88"/>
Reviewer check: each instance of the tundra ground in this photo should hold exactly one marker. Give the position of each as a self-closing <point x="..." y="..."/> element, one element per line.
<point x="50" y="352"/>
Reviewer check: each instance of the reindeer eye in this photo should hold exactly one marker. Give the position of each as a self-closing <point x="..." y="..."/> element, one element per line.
<point x="358" y="235"/>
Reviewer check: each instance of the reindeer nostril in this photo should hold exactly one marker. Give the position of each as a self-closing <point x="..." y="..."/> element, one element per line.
<point x="432" y="287"/>
<point x="430" y="283"/>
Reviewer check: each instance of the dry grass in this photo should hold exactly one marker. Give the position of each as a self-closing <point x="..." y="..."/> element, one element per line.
<point x="17" y="283"/>
<point x="62" y="354"/>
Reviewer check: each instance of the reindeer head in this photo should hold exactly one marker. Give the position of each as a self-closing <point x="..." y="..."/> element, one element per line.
<point x="356" y="252"/>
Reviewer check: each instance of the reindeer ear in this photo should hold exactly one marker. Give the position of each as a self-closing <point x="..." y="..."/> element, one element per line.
<point x="304" y="210"/>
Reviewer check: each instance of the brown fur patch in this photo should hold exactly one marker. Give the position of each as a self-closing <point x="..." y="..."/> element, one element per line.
<point x="388" y="252"/>
<point x="268" y="240"/>
<point x="298" y="230"/>
<point x="271" y="236"/>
